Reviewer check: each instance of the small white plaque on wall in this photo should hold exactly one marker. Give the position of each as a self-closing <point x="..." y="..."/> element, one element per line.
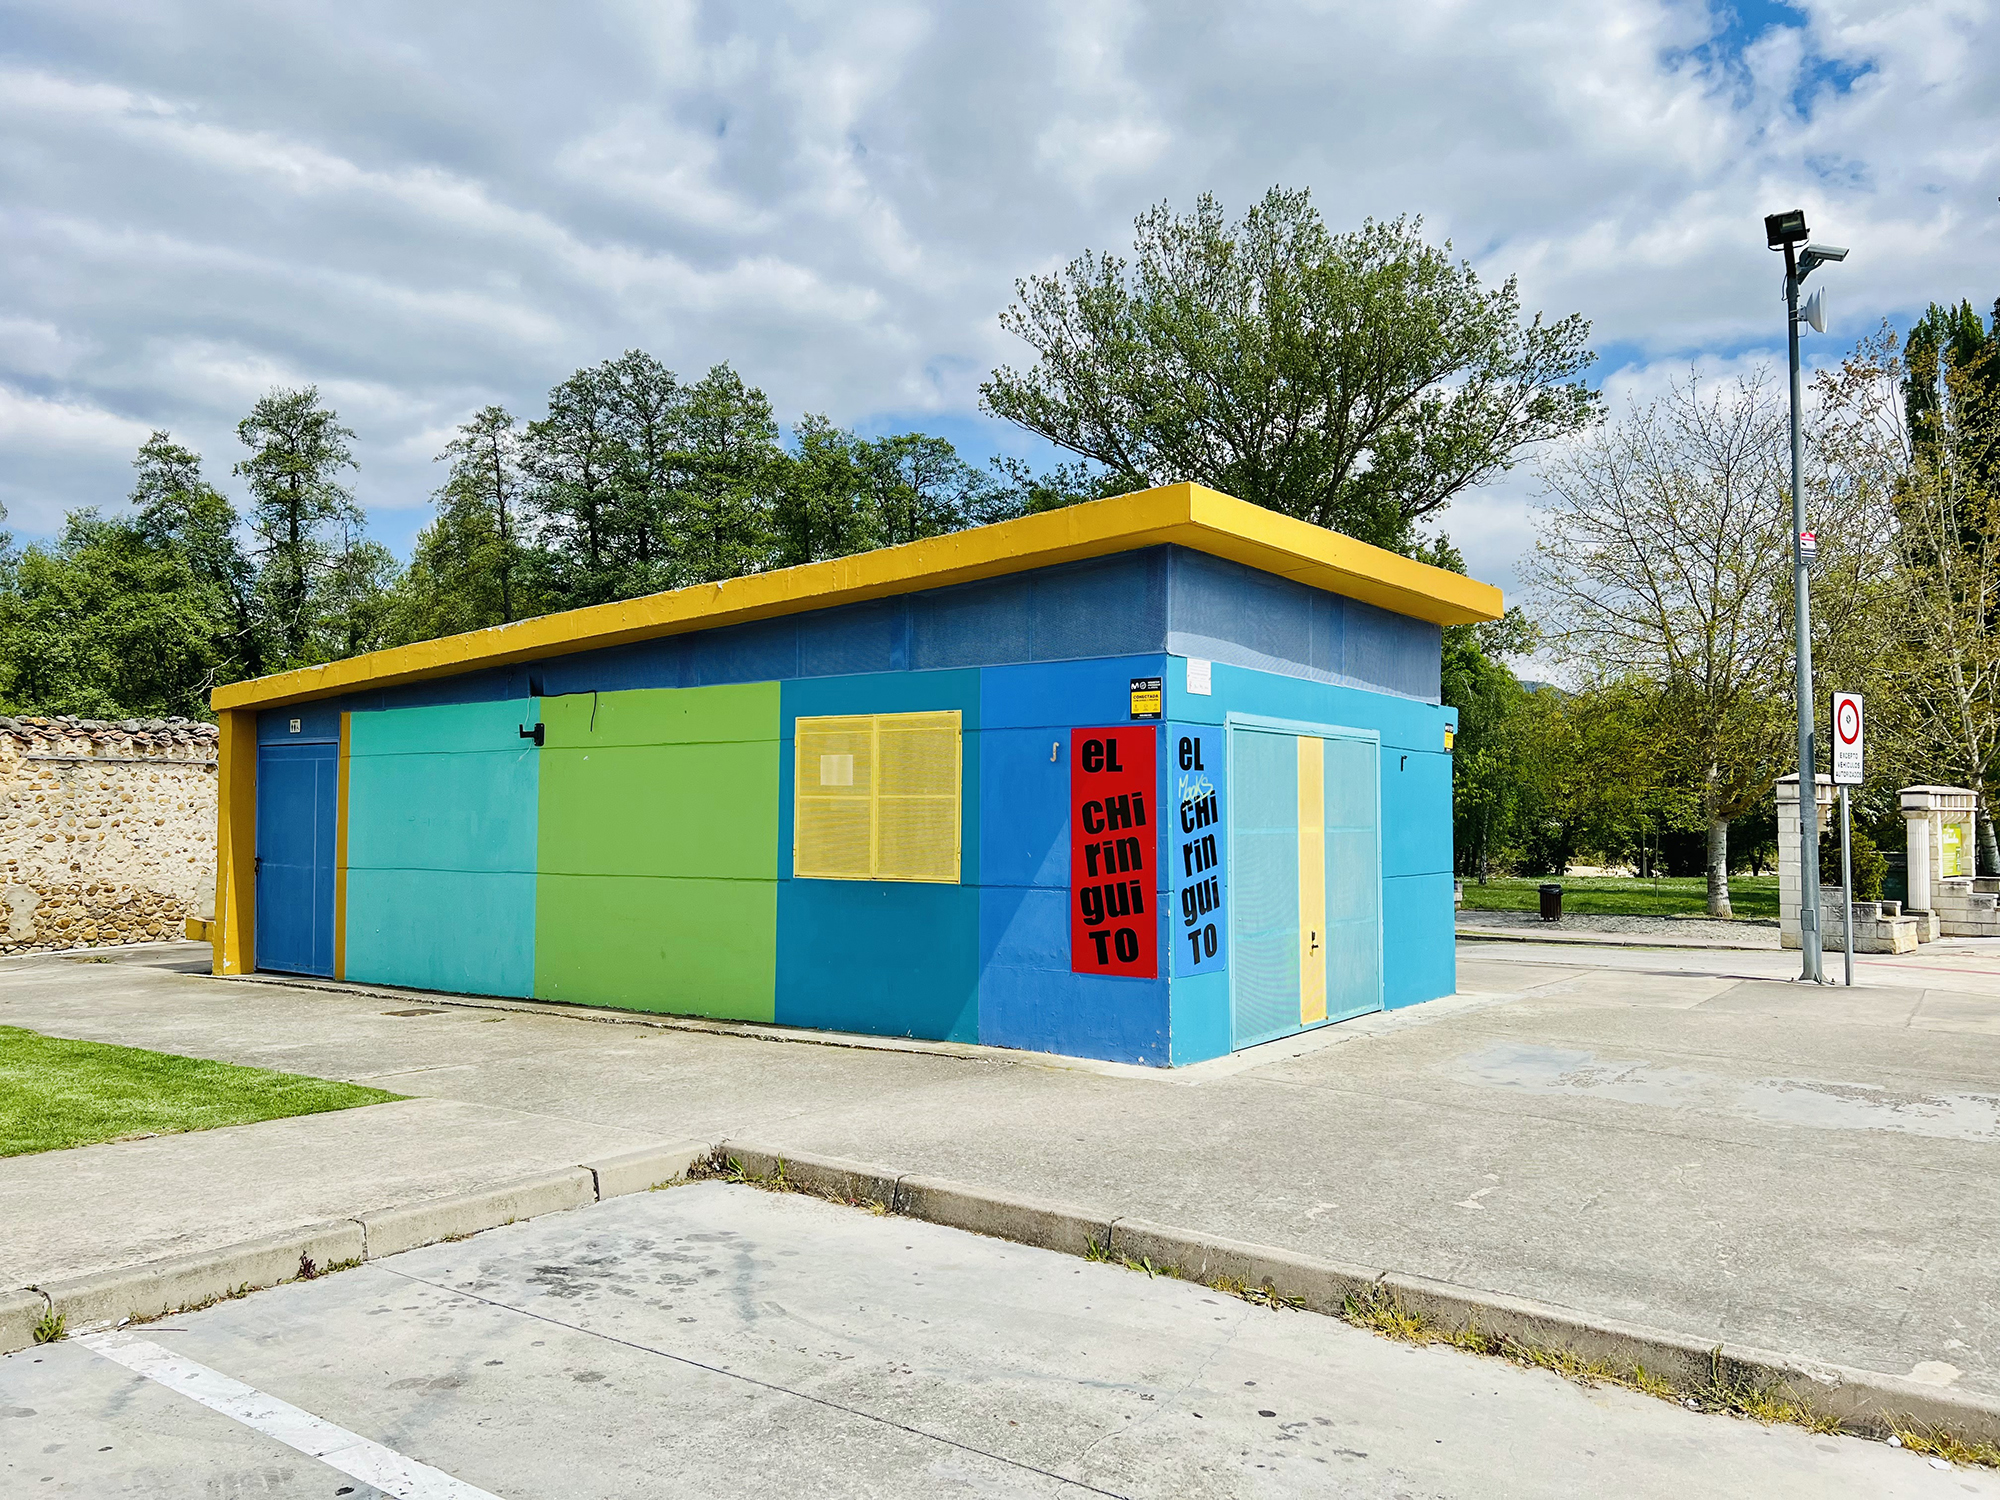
<point x="1197" y="678"/>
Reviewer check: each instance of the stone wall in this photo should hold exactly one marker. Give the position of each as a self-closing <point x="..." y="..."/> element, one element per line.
<point x="107" y="830"/>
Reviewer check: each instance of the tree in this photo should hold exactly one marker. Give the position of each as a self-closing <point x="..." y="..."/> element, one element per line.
<point x="1358" y="381"/>
<point x="728" y="463"/>
<point x="179" y="510"/>
<point x="1661" y="562"/>
<point x="574" y="458"/>
<point x="820" y="503"/>
<point x="300" y="513"/>
<point x="1926" y="437"/>
<point x="106" y="623"/>
<point x="466" y="570"/>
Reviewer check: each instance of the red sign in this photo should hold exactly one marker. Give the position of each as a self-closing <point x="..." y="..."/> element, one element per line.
<point x="1112" y="841"/>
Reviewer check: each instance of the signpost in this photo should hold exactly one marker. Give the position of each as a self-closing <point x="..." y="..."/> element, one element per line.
<point x="1848" y="722"/>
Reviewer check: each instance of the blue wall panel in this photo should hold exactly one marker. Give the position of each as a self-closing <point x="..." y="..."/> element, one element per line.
<point x="1416" y="812"/>
<point x="1421" y="961"/>
<point x="1028" y="996"/>
<point x="441" y="846"/>
<point x="1231" y="613"/>
<point x="896" y="958"/>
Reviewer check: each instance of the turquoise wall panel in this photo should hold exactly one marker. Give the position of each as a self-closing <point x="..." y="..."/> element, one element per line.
<point x="441" y="841"/>
<point x="462" y="932"/>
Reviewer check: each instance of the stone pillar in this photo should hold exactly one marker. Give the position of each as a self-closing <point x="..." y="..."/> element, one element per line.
<point x="1943" y="899"/>
<point x="1790" y="883"/>
<point x="1917" y="840"/>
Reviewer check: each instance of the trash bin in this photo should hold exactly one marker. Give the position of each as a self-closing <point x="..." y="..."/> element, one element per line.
<point x="1552" y="902"/>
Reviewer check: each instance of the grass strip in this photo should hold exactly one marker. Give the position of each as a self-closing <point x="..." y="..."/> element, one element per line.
<point x="56" y="1093"/>
<point x="1624" y="895"/>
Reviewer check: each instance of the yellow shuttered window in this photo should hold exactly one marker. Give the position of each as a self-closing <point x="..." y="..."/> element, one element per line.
<point x="878" y="797"/>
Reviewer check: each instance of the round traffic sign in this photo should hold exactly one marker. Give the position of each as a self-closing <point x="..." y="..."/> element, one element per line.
<point x="1847" y="722"/>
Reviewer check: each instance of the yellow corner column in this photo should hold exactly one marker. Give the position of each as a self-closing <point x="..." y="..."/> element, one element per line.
<point x="340" y="857"/>
<point x="235" y="929"/>
<point x="1312" y="880"/>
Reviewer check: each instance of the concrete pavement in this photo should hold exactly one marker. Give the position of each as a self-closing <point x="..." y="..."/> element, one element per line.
<point x="714" y="1340"/>
<point x="1680" y="1140"/>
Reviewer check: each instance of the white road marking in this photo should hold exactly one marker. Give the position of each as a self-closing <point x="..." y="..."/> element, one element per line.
<point x="349" y="1452"/>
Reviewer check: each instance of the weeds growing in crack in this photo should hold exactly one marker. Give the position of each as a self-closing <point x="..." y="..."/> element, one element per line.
<point x="52" y="1327"/>
<point x="720" y="1166"/>
<point x="1935" y="1442"/>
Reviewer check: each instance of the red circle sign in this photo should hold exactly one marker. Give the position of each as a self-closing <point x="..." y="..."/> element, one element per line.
<point x="1847" y="722"/>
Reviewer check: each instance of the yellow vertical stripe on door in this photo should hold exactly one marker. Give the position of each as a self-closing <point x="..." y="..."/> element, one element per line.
<point x="1312" y="880"/>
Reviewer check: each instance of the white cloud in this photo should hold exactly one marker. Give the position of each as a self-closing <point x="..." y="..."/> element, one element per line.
<point x="424" y="211"/>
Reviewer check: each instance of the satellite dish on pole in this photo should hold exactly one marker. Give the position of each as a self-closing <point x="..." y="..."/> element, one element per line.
<point x="1816" y="310"/>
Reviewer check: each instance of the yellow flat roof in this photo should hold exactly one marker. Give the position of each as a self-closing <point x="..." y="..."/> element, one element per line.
<point x="1186" y="515"/>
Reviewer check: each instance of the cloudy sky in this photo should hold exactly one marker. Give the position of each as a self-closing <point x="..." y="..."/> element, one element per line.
<point x="425" y="209"/>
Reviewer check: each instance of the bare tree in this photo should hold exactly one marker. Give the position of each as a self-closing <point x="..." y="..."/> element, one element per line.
<point x="1943" y="664"/>
<point x="1661" y="561"/>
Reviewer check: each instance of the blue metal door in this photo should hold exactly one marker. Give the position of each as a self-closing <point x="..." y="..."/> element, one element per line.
<point x="1353" y="878"/>
<point x="1282" y="888"/>
<point x="297" y="804"/>
<point x="1264" y="885"/>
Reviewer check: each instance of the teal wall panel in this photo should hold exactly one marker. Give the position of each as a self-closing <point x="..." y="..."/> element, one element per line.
<point x="441" y="840"/>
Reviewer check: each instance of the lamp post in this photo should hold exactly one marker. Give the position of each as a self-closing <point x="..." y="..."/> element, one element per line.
<point x="1786" y="232"/>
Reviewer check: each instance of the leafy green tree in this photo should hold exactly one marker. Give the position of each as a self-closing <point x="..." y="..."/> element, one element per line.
<point x="301" y="515"/>
<point x="106" y="623"/>
<point x="728" y="465"/>
<point x="919" y="487"/>
<point x="471" y="567"/>
<point x="575" y="461"/>
<point x="178" y="510"/>
<point x="1486" y="770"/>
<point x="353" y="605"/>
<point x="1357" y="380"/>
<point x="820" y="501"/>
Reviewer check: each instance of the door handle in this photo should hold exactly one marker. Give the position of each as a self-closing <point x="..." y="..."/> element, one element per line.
<point x="1315" y="943"/>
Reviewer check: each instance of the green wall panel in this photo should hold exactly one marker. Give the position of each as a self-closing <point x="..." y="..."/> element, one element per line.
<point x="658" y="850"/>
<point x="672" y="810"/>
<point x="663" y="716"/>
<point x="690" y="947"/>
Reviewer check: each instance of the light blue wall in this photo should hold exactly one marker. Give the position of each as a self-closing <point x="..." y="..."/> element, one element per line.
<point x="1421" y="963"/>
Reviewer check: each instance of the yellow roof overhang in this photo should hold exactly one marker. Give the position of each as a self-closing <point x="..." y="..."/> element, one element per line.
<point x="1186" y="515"/>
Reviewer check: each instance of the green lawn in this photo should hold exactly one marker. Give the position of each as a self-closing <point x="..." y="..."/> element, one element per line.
<point x="1602" y="895"/>
<point x="56" y="1093"/>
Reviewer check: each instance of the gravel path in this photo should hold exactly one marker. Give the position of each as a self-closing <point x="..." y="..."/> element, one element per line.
<point x="1743" y="933"/>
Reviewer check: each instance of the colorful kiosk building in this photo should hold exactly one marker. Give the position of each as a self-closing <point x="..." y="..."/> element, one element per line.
<point x="1149" y="779"/>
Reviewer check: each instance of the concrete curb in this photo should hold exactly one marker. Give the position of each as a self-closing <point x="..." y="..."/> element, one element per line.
<point x="165" y="1286"/>
<point x="1867" y="1401"/>
<point x="390" y="1231"/>
<point x="146" y="1291"/>
<point x="1603" y="939"/>
<point x="644" y="1169"/>
<point x="19" y="1313"/>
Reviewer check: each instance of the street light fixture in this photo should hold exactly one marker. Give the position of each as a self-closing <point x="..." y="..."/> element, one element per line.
<point x="1786" y="232"/>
